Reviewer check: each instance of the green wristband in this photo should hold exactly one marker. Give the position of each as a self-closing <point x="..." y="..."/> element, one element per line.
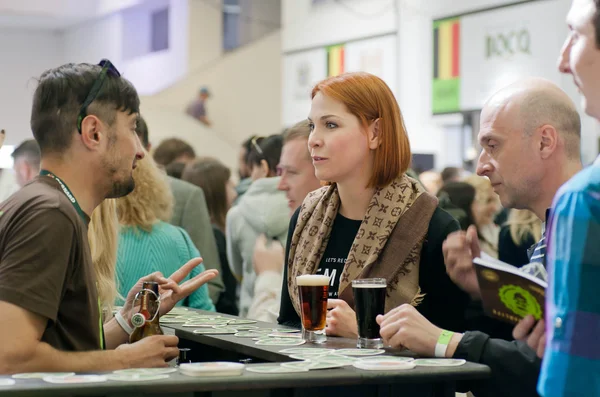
<point x="442" y="343"/>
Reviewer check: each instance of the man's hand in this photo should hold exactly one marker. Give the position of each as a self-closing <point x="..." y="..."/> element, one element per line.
<point x="170" y="290"/>
<point x="341" y="319"/>
<point x="267" y="258"/>
<point x="535" y="339"/>
<point x="2" y="137"/>
<point x="460" y="248"/>
<point x="150" y="352"/>
<point x="405" y="327"/>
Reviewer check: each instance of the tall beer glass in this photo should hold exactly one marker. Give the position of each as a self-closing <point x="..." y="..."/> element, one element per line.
<point x="369" y="301"/>
<point x="314" y="291"/>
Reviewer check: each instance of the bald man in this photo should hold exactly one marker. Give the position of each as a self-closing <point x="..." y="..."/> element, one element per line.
<point x="529" y="133"/>
<point x="530" y="138"/>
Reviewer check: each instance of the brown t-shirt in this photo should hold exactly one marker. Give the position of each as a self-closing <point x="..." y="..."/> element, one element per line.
<point x="46" y="265"/>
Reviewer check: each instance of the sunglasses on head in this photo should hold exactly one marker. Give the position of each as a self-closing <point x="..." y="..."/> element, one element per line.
<point x="107" y="68"/>
<point x="256" y="145"/>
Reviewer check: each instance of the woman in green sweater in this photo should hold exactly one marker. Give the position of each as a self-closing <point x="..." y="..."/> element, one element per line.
<point x="147" y="243"/>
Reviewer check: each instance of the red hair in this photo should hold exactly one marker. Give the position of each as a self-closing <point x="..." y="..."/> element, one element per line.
<point x="369" y="98"/>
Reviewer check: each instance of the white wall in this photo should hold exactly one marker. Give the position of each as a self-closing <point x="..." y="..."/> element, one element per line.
<point x="94" y="41"/>
<point x="306" y="25"/>
<point x="205" y="33"/>
<point x="258" y="18"/>
<point x="149" y="73"/>
<point x="155" y="71"/>
<point x="165" y="123"/>
<point x="25" y="55"/>
<point x="246" y="88"/>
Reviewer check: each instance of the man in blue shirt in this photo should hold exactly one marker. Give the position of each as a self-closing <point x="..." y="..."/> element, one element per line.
<point x="571" y="365"/>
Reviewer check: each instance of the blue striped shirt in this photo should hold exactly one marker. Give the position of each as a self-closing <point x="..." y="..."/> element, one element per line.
<point x="571" y="365"/>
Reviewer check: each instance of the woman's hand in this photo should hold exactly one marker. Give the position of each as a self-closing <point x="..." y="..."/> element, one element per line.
<point x="341" y="319"/>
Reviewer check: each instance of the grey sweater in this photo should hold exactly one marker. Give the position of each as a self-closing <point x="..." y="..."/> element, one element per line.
<point x="262" y="210"/>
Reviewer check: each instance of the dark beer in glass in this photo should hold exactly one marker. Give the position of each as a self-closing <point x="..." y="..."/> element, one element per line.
<point x="313" y="290"/>
<point x="369" y="301"/>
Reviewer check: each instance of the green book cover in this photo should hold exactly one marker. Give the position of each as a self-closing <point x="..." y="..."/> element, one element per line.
<point x="507" y="293"/>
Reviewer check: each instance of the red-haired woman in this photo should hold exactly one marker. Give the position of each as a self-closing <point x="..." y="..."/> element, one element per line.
<point x="371" y="220"/>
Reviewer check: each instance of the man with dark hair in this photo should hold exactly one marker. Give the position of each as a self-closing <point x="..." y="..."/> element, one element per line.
<point x="142" y="132"/>
<point x="571" y="364"/>
<point x="244" y="168"/>
<point x="173" y="150"/>
<point x="190" y="212"/>
<point x="451" y="174"/>
<point x="83" y="119"/>
<point x="27" y="159"/>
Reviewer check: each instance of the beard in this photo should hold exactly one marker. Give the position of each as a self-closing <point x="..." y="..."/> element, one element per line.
<point x="121" y="182"/>
<point x="121" y="188"/>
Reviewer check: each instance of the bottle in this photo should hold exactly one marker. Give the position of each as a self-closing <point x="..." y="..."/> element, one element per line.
<point x="145" y="321"/>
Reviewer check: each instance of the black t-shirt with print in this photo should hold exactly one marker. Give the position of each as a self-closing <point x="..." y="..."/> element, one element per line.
<point x="334" y="258"/>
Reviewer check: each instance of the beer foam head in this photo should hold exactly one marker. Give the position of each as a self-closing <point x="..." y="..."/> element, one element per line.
<point x="368" y="286"/>
<point x="312" y="280"/>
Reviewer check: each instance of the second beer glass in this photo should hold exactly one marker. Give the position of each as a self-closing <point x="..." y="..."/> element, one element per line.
<point x="313" y="290"/>
<point x="369" y="301"/>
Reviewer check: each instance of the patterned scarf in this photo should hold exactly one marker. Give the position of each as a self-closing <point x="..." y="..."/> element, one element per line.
<point x="399" y="212"/>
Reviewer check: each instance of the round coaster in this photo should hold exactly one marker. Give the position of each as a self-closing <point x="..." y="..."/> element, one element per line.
<point x="387" y="358"/>
<point x="7" y="382"/>
<point x="286" y="330"/>
<point x="146" y="371"/>
<point x="208" y="321"/>
<point x="310" y="365"/>
<point x="247" y="327"/>
<point x="439" y="362"/>
<point x="218" y="368"/>
<point x="205" y="317"/>
<point x="265" y="331"/>
<point x="360" y="352"/>
<point x="214" y="331"/>
<point x="306" y="357"/>
<point x="306" y="350"/>
<point x="163" y="320"/>
<point x="199" y="325"/>
<point x="285" y="335"/>
<point x="390" y="365"/>
<point x="76" y="379"/>
<point x="280" y="342"/>
<point x="335" y="359"/>
<point x="241" y="322"/>
<point x="140" y="377"/>
<point x="273" y="369"/>
<point x="41" y="375"/>
<point x="246" y="334"/>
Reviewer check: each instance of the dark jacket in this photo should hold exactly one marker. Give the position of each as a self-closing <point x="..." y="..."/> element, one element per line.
<point x="444" y="303"/>
<point x="515" y="366"/>
<point x="227" y="301"/>
<point x="510" y="252"/>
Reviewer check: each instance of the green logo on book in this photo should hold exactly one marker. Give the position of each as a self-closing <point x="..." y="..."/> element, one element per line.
<point x="520" y="301"/>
